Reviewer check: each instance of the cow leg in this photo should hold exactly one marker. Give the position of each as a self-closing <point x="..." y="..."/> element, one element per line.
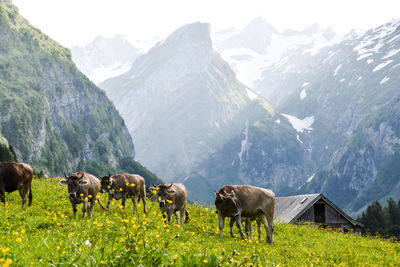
<point x="169" y="216"/>
<point x="266" y="226"/>
<point x="239" y="225"/>
<point x="123" y="200"/>
<point x="177" y="217"/>
<point x="270" y="237"/>
<point x="221" y="224"/>
<point x="23" y="192"/>
<point x="74" y="208"/>
<point x="182" y="214"/>
<point x="134" y="201"/>
<point x="249" y="228"/>
<point x="84" y="207"/>
<point x="109" y="202"/>
<point x="259" y="228"/>
<point x="231" y="223"/>
<point x="2" y="193"/>
<point x="91" y="206"/>
<point x="143" y="196"/>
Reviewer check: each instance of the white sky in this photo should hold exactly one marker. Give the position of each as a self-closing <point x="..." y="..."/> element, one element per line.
<point x="78" y="22"/>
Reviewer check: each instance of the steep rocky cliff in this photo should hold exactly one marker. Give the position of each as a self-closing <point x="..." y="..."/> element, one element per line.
<point x="193" y="121"/>
<point x="52" y="115"/>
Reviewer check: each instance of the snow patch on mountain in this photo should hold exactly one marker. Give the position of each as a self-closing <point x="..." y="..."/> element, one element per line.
<point x="300" y="124"/>
<point x="385" y="79"/>
<point x="337" y="69"/>
<point x="309" y="179"/>
<point x="251" y="94"/>
<point x="391" y="53"/>
<point x="382" y="65"/>
<point x="303" y="94"/>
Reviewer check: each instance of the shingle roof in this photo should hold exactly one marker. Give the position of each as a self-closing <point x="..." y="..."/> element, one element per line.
<point x="288" y="209"/>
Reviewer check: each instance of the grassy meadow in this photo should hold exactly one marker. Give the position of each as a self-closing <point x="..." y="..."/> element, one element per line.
<point x="46" y="234"/>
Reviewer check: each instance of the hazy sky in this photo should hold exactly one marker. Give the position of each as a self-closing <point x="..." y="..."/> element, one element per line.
<point x="77" y="22"/>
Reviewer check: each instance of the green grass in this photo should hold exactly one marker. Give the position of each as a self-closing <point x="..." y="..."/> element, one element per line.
<point x="46" y="234"/>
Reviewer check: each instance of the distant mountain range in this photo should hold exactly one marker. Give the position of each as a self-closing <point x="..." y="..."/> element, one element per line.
<point x="296" y="111"/>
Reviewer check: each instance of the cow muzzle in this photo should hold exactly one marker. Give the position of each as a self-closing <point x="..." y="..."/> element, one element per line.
<point x="73" y="195"/>
<point x="162" y="203"/>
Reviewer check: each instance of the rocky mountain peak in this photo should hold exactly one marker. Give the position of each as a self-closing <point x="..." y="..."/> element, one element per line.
<point x="262" y="26"/>
<point x="196" y="33"/>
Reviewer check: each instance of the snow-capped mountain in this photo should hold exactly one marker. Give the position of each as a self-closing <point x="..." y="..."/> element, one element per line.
<point x="347" y="88"/>
<point x="260" y="45"/>
<point x="105" y="57"/>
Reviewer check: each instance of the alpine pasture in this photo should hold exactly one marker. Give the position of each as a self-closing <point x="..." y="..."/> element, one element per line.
<point x="47" y="234"/>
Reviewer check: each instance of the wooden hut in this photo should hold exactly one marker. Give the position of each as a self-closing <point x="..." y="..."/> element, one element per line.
<point x="314" y="208"/>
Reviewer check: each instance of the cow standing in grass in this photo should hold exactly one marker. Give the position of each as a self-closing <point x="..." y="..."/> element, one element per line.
<point x="172" y="199"/>
<point x="16" y="176"/>
<point x="125" y="186"/>
<point x="82" y="188"/>
<point x="237" y="201"/>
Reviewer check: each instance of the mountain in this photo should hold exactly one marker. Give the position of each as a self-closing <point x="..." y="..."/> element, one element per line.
<point x="50" y="113"/>
<point x="350" y="89"/>
<point x="192" y="119"/>
<point x="104" y="58"/>
<point x="259" y="45"/>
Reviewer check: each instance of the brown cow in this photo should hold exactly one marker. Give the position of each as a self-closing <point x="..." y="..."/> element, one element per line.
<point x="248" y="201"/>
<point x="172" y="198"/>
<point x="124" y="186"/>
<point x="82" y="188"/>
<point x="15" y="176"/>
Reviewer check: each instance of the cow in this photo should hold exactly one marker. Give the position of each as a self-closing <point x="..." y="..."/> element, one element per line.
<point x="16" y="176"/>
<point x="82" y="188"/>
<point x="237" y="201"/>
<point x="124" y="186"/>
<point x="172" y="198"/>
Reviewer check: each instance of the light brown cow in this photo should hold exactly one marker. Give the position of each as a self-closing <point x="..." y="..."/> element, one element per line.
<point x="125" y="186"/>
<point x="237" y="201"/>
<point x="82" y="188"/>
<point x="16" y="176"/>
<point x="172" y="198"/>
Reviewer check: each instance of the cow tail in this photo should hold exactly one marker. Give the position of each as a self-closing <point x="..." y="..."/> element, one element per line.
<point x="101" y="204"/>
<point x="30" y="195"/>
<point x="187" y="216"/>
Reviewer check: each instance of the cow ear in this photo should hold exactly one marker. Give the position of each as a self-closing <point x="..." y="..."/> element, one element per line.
<point x="169" y="191"/>
<point x="83" y="182"/>
<point x="63" y="181"/>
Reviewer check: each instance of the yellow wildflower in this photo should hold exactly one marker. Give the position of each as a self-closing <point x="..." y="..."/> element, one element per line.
<point x="120" y="189"/>
<point x="169" y="201"/>
<point x="133" y="185"/>
<point x="19" y="239"/>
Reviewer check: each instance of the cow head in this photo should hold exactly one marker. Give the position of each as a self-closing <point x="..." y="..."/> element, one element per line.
<point x="106" y="184"/>
<point x="73" y="181"/>
<point x="164" y="193"/>
<point x="229" y="201"/>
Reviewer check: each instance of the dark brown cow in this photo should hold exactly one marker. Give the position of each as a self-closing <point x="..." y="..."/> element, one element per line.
<point x="16" y="176"/>
<point x="237" y="201"/>
<point x="172" y="198"/>
<point x="125" y="186"/>
<point x="82" y="188"/>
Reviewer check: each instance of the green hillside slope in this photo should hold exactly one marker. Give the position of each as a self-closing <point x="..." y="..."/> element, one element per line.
<point x="46" y="234"/>
<point x="52" y="115"/>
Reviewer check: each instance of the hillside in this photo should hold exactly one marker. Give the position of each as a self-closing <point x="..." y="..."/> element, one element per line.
<point x="50" y="113"/>
<point x="46" y="234"/>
